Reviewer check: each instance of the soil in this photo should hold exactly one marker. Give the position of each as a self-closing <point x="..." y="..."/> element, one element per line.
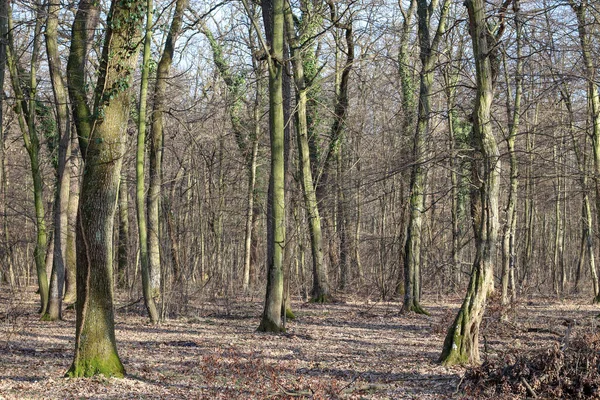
<point x="346" y="350"/>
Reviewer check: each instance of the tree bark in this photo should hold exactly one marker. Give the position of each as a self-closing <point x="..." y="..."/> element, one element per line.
<point x="274" y="27"/>
<point x="150" y="288"/>
<point x="61" y="206"/>
<point x="95" y="344"/>
<point x="156" y="143"/>
<point x="461" y="345"/>
<point x="71" y="256"/>
<point x="510" y="228"/>
<point x="412" y="253"/>
<point x="25" y="110"/>
<point x="320" y="290"/>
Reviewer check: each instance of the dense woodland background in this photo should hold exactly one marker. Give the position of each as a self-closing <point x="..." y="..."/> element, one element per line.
<point x="396" y="171"/>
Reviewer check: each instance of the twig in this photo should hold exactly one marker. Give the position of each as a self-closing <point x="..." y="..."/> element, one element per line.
<point x="349" y="384"/>
<point x="529" y="388"/>
<point x="130" y="304"/>
<point x="459" y="383"/>
<point x="565" y="341"/>
<point x="294" y="393"/>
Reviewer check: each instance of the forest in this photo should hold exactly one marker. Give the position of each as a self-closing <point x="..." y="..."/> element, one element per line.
<point x="320" y="199"/>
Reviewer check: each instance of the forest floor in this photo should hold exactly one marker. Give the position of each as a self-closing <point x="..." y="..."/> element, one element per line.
<point x="348" y="350"/>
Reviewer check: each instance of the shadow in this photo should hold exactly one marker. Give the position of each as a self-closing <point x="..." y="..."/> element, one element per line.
<point x="15" y="378"/>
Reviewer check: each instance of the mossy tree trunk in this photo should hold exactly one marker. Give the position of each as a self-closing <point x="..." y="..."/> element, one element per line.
<point x="320" y="291"/>
<point x="95" y="344"/>
<point x="428" y="55"/>
<point x="85" y="22"/>
<point x="274" y="27"/>
<point x="61" y="206"/>
<point x="25" y="110"/>
<point x="461" y="345"/>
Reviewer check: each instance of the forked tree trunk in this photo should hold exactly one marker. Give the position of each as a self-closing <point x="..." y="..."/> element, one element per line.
<point x="461" y="345"/>
<point x="95" y="345"/>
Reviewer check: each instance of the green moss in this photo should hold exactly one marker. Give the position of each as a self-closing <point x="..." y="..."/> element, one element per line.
<point x="289" y="314"/>
<point x="266" y="325"/>
<point x="47" y="317"/>
<point x="109" y="366"/>
<point x="596" y="300"/>
<point x="416" y="308"/>
<point x="321" y="299"/>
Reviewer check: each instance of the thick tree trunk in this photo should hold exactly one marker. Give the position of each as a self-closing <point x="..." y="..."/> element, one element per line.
<point x="461" y="345"/>
<point x="95" y="345"/>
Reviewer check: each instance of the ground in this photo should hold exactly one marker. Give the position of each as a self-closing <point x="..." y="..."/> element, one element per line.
<point x="348" y="350"/>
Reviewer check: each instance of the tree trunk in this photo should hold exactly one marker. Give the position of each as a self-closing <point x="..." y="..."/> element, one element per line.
<point x="274" y="27"/>
<point x="25" y="110"/>
<point x="461" y="345"/>
<point x="412" y="252"/>
<point x="320" y="289"/>
<point x="8" y="272"/>
<point x="71" y="256"/>
<point x="61" y="206"/>
<point x="149" y="287"/>
<point x="510" y="228"/>
<point x="123" y="247"/>
<point x="95" y="345"/>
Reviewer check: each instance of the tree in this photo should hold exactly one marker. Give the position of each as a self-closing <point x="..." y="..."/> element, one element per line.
<point x="24" y="86"/>
<point x="150" y="270"/>
<point x="320" y="290"/>
<point x="510" y="228"/>
<point x="103" y="144"/>
<point x="273" y="17"/>
<point x="63" y="178"/>
<point x="461" y="345"/>
<point x="429" y="55"/>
